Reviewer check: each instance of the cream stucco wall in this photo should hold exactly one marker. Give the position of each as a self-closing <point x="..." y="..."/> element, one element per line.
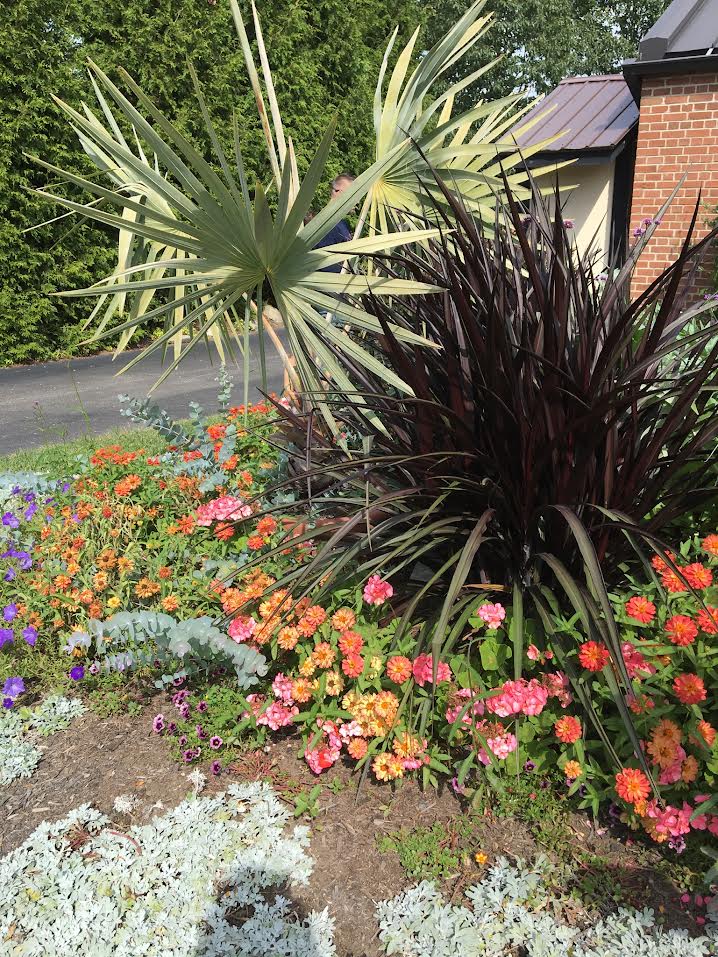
<point x="589" y="204"/>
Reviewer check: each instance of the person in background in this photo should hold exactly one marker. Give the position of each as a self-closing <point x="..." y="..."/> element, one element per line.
<point x="341" y="233"/>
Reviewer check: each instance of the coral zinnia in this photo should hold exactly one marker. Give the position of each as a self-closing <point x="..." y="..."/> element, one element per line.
<point x="572" y="770"/>
<point x="708" y="620"/>
<point x="707" y="732"/>
<point x="567" y="729"/>
<point x="681" y="630"/>
<point x="632" y="785"/>
<point x="710" y="544"/>
<point x="343" y="619"/>
<point x="353" y="665"/>
<point x="398" y="669"/>
<point x="689" y="689"/>
<point x="593" y="655"/>
<point x="324" y="655"/>
<point x="387" y="767"/>
<point x="351" y="643"/>
<point x="357" y="748"/>
<point x="698" y="576"/>
<point x="641" y="609"/>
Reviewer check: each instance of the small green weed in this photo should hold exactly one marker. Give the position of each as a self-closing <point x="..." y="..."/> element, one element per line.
<point x="307" y="802"/>
<point x="438" y="852"/>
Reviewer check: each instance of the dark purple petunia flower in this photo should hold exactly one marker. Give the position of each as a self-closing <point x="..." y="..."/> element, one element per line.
<point x="529" y="766"/>
<point x="30" y="635"/>
<point x="7" y="702"/>
<point x="77" y="673"/>
<point x="10" y="520"/>
<point x="158" y="723"/>
<point x="188" y="755"/>
<point x="202" y="706"/>
<point x="30" y="511"/>
<point x="215" y="742"/>
<point x="215" y="767"/>
<point x="6" y="636"/>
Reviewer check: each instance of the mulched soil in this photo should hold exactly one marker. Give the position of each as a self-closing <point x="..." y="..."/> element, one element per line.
<point x="93" y="762"/>
<point x="96" y="760"/>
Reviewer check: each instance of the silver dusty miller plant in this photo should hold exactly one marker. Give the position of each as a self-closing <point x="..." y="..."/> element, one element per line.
<point x="171" y="888"/>
<point x="510" y="914"/>
<point x="19" y="754"/>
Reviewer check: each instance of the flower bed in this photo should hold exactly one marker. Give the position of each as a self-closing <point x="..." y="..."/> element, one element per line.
<point x="169" y="566"/>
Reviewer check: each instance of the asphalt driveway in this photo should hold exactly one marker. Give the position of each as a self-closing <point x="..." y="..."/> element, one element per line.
<point x="52" y="401"/>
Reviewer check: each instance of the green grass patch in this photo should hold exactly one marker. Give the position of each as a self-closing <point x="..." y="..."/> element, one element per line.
<point x="60" y="458"/>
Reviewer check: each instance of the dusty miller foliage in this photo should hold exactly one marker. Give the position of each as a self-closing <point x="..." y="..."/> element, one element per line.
<point x="19" y="755"/>
<point x="513" y="911"/>
<point x="170" y="888"/>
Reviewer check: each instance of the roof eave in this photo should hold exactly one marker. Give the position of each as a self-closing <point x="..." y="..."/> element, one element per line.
<point x="635" y="70"/>
<point x="588" y="156"/>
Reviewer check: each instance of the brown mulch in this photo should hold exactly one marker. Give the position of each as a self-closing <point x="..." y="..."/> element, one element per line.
<point x="94" y="761"/>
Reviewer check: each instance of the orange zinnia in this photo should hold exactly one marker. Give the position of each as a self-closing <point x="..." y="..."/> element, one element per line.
<point x="641" y="609"/>
<point x="343" y="619"/>
<point x="632" y="785"/>
<point x="681" y="630"/>
<point x="698" y="576"/>
<point x="593" y="655"/>
<point x="710" y="544"/>
<point x="689" y="689"/>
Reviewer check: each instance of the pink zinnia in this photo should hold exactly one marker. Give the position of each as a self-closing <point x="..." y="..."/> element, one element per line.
<point x="423" y="670"/>
<point x="377" y="591"/>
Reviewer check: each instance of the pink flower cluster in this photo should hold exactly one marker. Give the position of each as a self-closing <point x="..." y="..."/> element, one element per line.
<point x="274" y="716"/>
<point x="457" y="704"/>
<point x="228" y="508"/>
<point x="557" y="685"/>
<point x="242" y="628"/>
<point x="636" y="664"/>
<point x="518" y="697"/>
<point x="501" y="744"/>
<point x="323" y="756"/>
<point x="493" y="615"/>
<point x="423" y="670"/>
<point x="673" y="772"/>
<point x="377" y="591"/>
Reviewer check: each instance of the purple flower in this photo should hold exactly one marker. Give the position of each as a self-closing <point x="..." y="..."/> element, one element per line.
<point x="529" y="766"/>
<point x="7" y="702"/>
<point x="178" y="682"/>
<point x="182" y="740"/>
<point x="77" y="673"/>
<point x="30" y="635"/>
<point x="184" y="710"/>
<point x="65" y="487"/>
<point x="95" y="668"/>
<point x="172" y="727"/>
<point x="6" y="636"/>
<point x="201" y="733"/>
<point x="215" y="767"/>
<point x="188" y="756"/>
<point x="638" y="232"/>
<point x="29" y="497"/>
<point x="13" y="687"/>
<point x="215" y="742"/>
<point x="569" y="223"/>
<point x="178" y="697"/>
<point x="10" y="520"/>
<point x="9" y="574"/>
<point x="647" y="222"/>
<point x="202" y="706"/>
<point x="158" y="723"/>
<point x="456" y="787"/>
<point x="9" y="612"/>
<point x="30" y="511"/>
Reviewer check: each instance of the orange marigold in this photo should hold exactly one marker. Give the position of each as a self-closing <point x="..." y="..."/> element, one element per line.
<point x="641" y="609"/>
<point x="681" y="630"/>
<point x="343" y="619"/>
<point x="689" y="689"/>
<point x="632" y="785"/>
<point x="398" y="669"/>
<point x="164" y="572"/>
<point x="255" y="543"/>
<point x="671" y="582"/>
<point x="186" y="524"/>
<point x="593" y="655"/>
<point x="567" y="729"/>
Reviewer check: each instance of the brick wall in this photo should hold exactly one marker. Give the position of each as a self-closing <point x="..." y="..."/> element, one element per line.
<point x="677" y="133"/>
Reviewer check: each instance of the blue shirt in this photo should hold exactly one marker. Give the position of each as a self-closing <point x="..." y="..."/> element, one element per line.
<point x="341" y="233"/>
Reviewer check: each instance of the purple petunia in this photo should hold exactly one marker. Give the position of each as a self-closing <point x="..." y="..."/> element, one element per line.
<point x="158" y="723"/>
<point x="9" y="612"/>
<point x="30" y="635"/>
<point x="13" y="687"/>
<point x="30" y="511"/>
<point x="171" y="727"/>
<point x="184" y="710"/>
<point x="215" y="742"/>
<point x="77" y="673"/>
<point x="182" y="740"/>
<point x="7" y="702"/>
<point x="188" y="756"/>
<point x="10" y="520"/>
<point x="6" y="636"/>
<point x="202" y="706"/>
<point x="215" y="767"/>
<point x="201" y="733"/>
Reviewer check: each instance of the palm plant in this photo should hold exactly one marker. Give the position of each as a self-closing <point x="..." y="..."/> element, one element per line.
<point x="199" y="252"/>
<point x="561" y="423"/>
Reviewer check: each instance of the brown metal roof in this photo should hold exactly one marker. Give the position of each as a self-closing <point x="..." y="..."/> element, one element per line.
<point x="596" y="113"/>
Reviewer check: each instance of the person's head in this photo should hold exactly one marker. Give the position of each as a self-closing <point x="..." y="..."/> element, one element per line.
<point x="340" y="183"/>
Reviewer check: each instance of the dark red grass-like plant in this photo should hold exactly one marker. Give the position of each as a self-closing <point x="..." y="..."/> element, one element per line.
<point x="558" y="422"/>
